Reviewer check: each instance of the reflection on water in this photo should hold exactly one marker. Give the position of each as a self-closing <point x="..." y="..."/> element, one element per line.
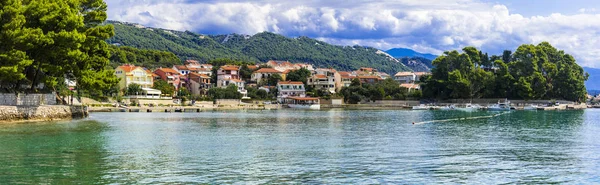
<point x="332" y="146"/>
<point x="55" y="153"/>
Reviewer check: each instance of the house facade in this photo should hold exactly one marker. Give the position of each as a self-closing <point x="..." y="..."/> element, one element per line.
<point x="198" y="84"/>
<point x="288" y="88"/>
<point x="286" y="65"/>
<point x="418" y="75"/>
<point x="327" y="79"/>
<point x="263" y="74"/>
<point x="171" y="76"/>
<point x="230" y="74"/>
<point x="411" y="86"/>
<point x="131" y="74"/>
<point x="346" y="78"/>
<point x="369" y="79"/>
<point x="405" y="77"/>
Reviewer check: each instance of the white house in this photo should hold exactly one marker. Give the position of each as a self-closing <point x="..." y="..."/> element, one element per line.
<point x="328" y="79"/>
<point x="230" y="74"/>
<point x="288" y="88"/>
<point x="263" y="74"/>
<point x="405" y="77"/>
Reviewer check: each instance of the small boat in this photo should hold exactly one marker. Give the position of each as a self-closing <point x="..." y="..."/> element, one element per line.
<point x="312" y="103"/>
<point x="469" y="108"/>
<point x="500" y="106"/>
<point x="421" y="107"/>
<point x="305" y="106"/>
<point x="531" y="107"/>
<point x="451" y="107"/>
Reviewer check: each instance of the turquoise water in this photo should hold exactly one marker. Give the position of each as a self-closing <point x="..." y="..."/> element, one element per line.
<point x="306" y="147"/>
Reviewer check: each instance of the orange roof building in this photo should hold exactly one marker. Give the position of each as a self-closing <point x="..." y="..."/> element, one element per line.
<point x="262" y="74"/>
<point x="131" y="74"/>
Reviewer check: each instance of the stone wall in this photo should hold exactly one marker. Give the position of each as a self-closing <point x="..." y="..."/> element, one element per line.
<point x="27" y="99"/>
<point x="41" y="113"/>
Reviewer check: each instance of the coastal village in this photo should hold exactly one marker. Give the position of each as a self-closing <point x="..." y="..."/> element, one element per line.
<point x="196" y="78"/>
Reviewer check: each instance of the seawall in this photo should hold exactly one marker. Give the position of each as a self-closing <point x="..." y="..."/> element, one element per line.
<point x="41" y="113"/>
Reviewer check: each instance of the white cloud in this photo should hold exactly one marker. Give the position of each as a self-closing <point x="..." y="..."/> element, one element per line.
<point x="424" y="25"/>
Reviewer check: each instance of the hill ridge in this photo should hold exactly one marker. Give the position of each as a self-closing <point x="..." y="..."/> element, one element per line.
<point x="259" y="47"/>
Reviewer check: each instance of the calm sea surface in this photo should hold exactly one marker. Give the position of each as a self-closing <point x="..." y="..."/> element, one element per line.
<point x="306" y="147"/>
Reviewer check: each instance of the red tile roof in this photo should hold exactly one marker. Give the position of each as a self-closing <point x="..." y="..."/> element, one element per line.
<point x="192" y="61"/>
<point x="302" y="98"/>
<point x="291" y="83"/>
<point x="181" y="67"/>
<point x="128" y="67"/>
<point x="230" y="67"/>
<point x="167" y="70"/>
<point x="422" y="73"/>
<point x="320" y="76"/>
<point x="369" y="77"/>
<point x="267" y="70"/>
<point x="404" y="74"/>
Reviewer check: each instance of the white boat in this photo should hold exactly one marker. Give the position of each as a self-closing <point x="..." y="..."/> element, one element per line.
<point x="305" y="106"/>
<point x="500" y="106"/>
<point x="303" y="103"/>
<point x="421" y="107"/>
<point x="451" y="107"/>
<point x="531" y="107"/>
<point x="469" y="108"/>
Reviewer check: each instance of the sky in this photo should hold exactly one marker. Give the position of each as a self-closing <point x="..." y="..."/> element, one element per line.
<point x="428" y="26"/>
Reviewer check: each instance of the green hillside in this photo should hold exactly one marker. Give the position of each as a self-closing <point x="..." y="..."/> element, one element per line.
<point x="257" y="48"/>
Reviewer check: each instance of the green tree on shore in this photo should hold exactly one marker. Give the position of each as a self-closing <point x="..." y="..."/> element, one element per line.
<point x="134" y="89"/>
<point x="164" y="87"/>
<point x="531" y="72"/>
<point x="46" y="41"/>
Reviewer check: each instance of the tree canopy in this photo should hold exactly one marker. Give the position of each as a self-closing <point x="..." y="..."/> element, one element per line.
<point x="531" y="72"/>
<point x="45" y="41"/>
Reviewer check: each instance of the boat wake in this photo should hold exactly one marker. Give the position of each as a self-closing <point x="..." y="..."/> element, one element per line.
<point x="458" y="119"/>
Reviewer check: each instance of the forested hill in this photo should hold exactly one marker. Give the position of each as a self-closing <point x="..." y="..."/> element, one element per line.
<point x="257" y="48"/>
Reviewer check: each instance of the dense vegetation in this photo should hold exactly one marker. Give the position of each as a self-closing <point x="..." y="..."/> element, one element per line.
<point x="258" y="48"/>
<point x="45" y="41"/>
<point x="142" y="57"/>
<point x="531" y="72"/>
<point x="387" y="89"/>
<point x="230" y="92"/>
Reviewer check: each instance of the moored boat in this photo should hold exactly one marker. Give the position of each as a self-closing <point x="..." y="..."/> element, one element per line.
<point x="303" y="102"/>
<point x="450" y="107"/>
<point x="469" y="108"/>
<point x="421" y="107"/>
<point x="500" y="106"/>
<point x="531" y="107"/>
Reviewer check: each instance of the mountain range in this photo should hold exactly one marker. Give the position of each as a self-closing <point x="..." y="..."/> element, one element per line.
<point x="260" y="47"/>
<point x="405" y="52"/>
<point x="266" y="46"/>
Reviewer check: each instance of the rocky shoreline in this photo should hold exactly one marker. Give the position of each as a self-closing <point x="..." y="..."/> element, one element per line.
<point x="11" y="114"/>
